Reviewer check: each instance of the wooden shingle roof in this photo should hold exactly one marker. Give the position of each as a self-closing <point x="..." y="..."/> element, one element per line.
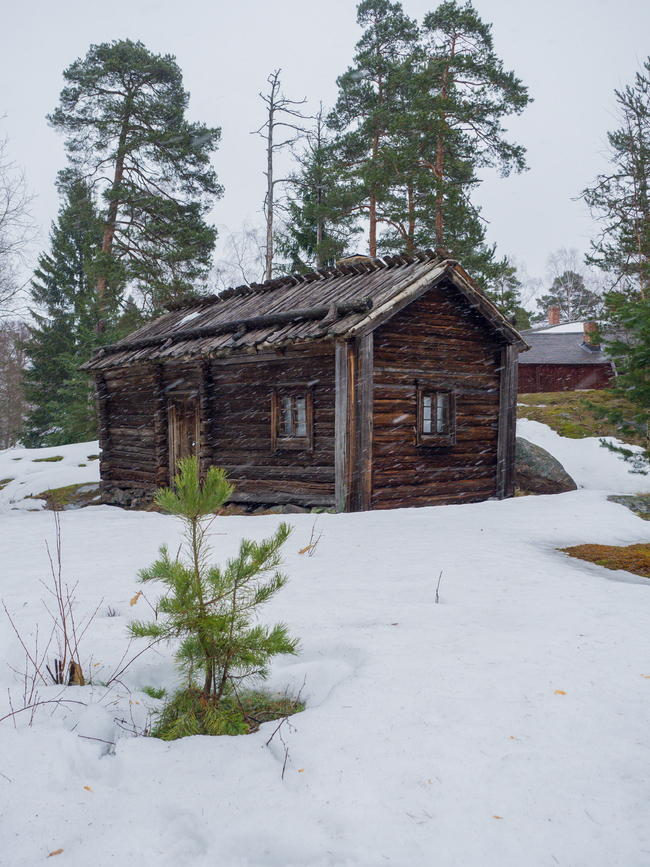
<point x="332" y="303"/>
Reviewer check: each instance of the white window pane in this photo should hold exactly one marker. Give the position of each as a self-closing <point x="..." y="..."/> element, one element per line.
<point x="301" y="417"/>
<point x="442" y="413"/>
<point x="286" y="422"/>
<point x="426" y="414"/>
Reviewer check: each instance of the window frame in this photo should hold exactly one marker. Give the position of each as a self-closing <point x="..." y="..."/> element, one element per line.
<point x="445" y="439"/>
<point x="280" y="442"/>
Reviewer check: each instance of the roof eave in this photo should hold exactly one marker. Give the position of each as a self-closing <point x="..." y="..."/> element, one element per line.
<point x="451" y="270"/>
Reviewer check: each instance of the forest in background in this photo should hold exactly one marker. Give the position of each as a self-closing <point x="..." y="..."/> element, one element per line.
<point x="390" y="167"/>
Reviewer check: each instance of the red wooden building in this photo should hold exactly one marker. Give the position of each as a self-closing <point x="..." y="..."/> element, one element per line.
<point x="564" y="361"/>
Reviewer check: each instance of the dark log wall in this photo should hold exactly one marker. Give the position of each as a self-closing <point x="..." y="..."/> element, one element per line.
<point x="241" y="442"/>
<point x="127" y="401"/>
<point x="534" y="378"/>
<point x="439" y="339"/>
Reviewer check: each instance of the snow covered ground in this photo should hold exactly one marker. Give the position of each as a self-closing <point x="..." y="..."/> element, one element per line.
<point x="507" y="725"/>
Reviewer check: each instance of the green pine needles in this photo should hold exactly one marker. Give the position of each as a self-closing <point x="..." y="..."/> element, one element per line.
<point x="211" y="610"/>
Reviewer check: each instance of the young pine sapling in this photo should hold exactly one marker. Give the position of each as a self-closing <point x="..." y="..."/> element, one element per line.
<point x="211" y="610"/>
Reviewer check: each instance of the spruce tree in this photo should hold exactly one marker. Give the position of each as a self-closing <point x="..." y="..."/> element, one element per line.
<point x="505" y="291"/>
<point x="63" y="331"/>
<point x="317" y="231"/>
<point x="123" y="113"/>
<point x="620" y="198"/>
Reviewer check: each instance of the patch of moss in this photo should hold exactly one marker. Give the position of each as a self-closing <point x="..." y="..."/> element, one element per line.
<point x="630" y="558"/>
<point x="4" y="483"/>
<point x="260" y="707"/>
<point x="92" y="458"/>
<point x="574" y="414"/>
<point x="51" y="460"/>
<point x="154" y="691"/>
<point x="191" y="712"/>
<point x="69" y="495"/>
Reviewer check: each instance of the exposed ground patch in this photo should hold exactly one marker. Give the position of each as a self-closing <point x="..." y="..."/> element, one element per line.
<point x="574" y="414"/>
<point x="70" y="496"/>
<point x="630" y="558"/>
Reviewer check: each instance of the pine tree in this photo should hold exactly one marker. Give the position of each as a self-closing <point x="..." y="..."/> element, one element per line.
<point x="123" y="112"/>
<point x="64" y="327"/>
<point x="569" y="292"/>
<point x="367" y="102"/>
<point x="418" y="115"/>
<point x="467" y="93"/>
<point x="211" y="610"/>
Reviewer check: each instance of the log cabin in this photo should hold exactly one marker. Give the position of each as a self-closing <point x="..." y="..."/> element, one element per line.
<point x="370" y="385"/>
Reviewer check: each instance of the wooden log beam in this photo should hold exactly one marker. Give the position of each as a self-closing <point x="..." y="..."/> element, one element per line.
<point x="103" y="424"/>
<point x="206" y="433"/>
<point x="160" y="423"/>
<point x="341" y="444"/>
<point x="507" y="422"/>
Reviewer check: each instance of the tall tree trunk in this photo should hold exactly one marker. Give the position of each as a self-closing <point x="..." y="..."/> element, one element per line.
<point x="319" y="226"/>
<point x="268" y="270"/>
<point x="372" y="239"/>
<point x="111" y="218"/>
<point x="372" y="209"/>
<point x="441" y="145"/>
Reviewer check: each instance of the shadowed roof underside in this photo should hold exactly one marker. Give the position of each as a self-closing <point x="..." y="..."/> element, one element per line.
<point x="333" y="303"/>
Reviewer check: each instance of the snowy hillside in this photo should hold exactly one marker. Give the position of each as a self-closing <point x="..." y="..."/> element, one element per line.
<point x="507" y="725"/>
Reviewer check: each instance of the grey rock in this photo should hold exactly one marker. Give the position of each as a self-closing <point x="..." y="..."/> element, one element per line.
<point x="86" y="489"/>
<point x="538" y="472"/>
<point x="639" y="504"/>
<point x="120" y="497"/>
<point x="290" y="509"/>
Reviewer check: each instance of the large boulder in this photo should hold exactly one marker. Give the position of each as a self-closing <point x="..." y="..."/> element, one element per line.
<point x="538" y="472"/>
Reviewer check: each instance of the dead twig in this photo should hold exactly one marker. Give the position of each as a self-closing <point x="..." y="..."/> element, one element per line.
<point x="57" y="701"/>
<point x="312" y="544"/>
<point x="438" y="587"/>
<point x="120" y="671"/>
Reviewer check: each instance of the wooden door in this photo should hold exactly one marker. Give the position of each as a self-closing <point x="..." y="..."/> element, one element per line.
<point x="184" y="430"/>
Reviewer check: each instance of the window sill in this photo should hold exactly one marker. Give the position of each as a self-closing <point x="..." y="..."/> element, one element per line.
<point x="301" y="444"/>
<point x="444" y="441"/>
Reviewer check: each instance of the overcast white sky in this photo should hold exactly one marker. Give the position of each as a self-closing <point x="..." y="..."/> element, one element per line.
<point x="570" y="53"/>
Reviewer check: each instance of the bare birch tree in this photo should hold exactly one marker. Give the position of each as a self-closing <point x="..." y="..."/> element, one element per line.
<point x="281" y="115"/>
<point x="17" y="229"/>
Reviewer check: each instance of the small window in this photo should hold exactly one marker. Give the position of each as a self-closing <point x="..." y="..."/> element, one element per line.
<point x="292" y="424"/>
<point x="436" y="417"/>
